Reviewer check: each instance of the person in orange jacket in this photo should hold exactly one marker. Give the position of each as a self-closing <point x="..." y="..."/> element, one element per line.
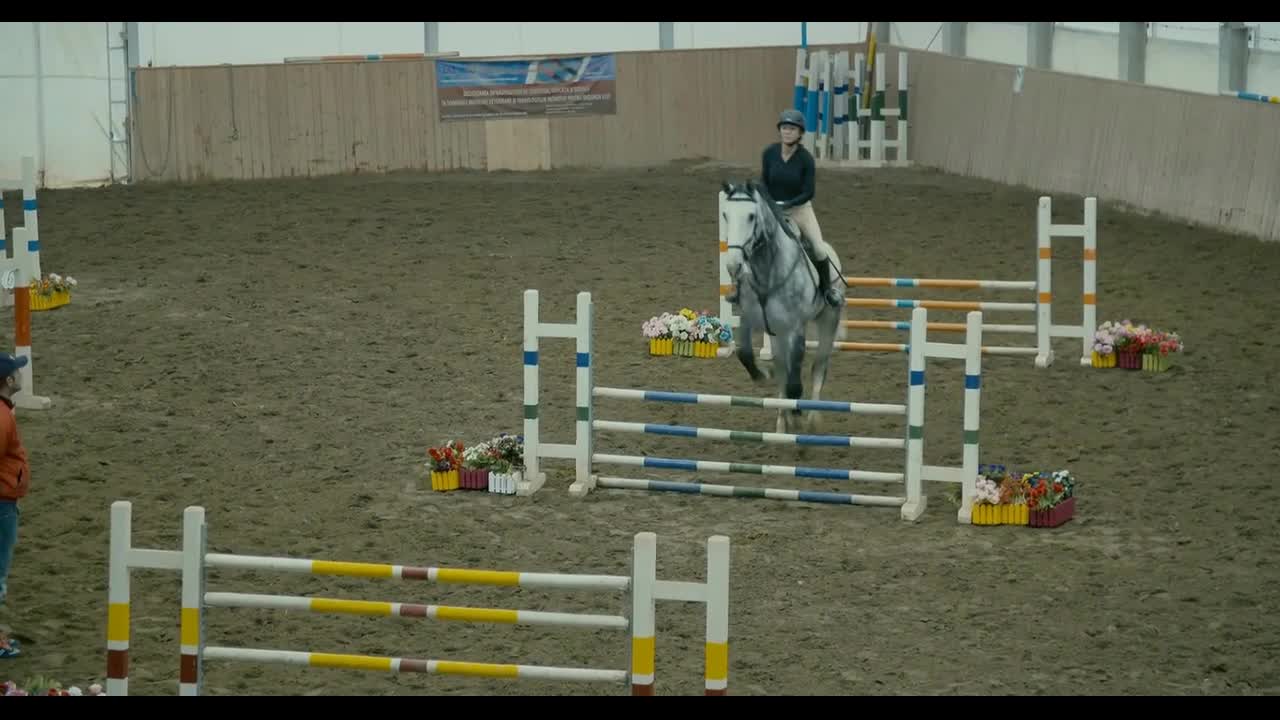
<point x="15" y="479"/>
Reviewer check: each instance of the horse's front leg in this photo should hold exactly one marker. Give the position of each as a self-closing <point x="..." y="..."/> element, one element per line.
<point x="791" y="354"/>
<point x="747" y="355"/>
<point x="828" y="328"/>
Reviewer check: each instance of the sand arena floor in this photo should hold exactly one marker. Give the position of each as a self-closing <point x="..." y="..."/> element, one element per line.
<point x="283" y="352"/>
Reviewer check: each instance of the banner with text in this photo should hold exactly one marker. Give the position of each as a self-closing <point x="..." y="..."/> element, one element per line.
<point x="492" y="89"/>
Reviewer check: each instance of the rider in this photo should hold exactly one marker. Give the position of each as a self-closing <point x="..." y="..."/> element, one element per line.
<point x="788" y="171"/>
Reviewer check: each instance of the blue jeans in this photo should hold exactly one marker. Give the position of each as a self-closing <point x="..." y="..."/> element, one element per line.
<point x="8" y="539"/>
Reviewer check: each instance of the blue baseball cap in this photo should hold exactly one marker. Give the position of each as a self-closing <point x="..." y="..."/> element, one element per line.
<point x="9" y="364"/>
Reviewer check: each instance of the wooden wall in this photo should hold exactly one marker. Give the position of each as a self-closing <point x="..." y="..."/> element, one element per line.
<point x="264" y="121"/>
<point x="1202" y="158"/>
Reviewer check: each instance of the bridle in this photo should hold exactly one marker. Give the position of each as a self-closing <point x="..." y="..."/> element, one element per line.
<point x="756" y="237"/>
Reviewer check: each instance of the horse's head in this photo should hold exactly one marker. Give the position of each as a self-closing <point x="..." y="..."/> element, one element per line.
<point x="748" y="221"/>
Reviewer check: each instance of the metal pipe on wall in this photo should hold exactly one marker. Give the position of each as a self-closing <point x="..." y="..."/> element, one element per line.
<point x="40" y="135"/>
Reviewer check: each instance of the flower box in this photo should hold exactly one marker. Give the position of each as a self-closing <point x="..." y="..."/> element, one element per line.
<point x="473" y="479"/>
<point x="1155" y="362"/>
<point x="55" y="299"/>
<point x="1054" y="516"/>
<point x="444" y="481"/>
<point x="1136" y="347"/>
<point x="504" y="483"/>
<point x="686" y="334"/>
<point x="1104" y="360"/>
<point x="660" y="346"/>
<point x="1004" y="514"/>
<point x="445" y="461"/>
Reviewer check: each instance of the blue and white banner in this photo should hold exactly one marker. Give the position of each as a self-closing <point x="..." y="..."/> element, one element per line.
<point x="490" y="89"/>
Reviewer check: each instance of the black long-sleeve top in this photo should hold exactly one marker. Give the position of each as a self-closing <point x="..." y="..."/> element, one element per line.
<point x="790" y="182"/>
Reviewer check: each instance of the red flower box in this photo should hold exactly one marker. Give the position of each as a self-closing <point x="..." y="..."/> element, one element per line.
<point x="1054" y="516"/>
<point x="1129" y="359"/>
<point x="474" y="479"/>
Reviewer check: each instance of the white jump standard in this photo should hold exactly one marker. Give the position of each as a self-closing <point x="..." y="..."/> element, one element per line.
<point x="18" y="274"/>
<point x="911" y="472"/>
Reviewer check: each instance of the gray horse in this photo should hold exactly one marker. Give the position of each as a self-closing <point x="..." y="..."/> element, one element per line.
<point x="777" y="290"/>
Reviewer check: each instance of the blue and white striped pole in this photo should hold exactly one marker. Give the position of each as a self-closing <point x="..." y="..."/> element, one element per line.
<point x="1245" y="95"/>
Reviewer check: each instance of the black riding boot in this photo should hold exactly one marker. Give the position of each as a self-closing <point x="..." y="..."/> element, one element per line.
<point x="833" y="297"/>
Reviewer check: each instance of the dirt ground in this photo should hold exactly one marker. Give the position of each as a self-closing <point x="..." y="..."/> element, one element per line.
<point x="283" y="352"/>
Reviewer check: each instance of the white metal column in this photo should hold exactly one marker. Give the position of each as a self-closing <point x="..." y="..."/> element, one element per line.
<point x="118" y="91"/>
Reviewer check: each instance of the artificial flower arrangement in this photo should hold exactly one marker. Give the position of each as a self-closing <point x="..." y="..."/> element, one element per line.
<point x="1051" y="498"/>
<point x="686" y="333"/>
<point x="1133" y="347"/>
<point x="495" y="465"/>
<point x="38" y="687"/>
<point x="1000" y="499"/>
<point x="1035" y="499"/>
<point x="53" y="291"/>
<point x="446" y="461"/>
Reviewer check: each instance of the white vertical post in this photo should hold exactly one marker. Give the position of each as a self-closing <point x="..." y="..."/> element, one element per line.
<point x="972" y="415"/>
<point x="858" y="115"/>
<point x="534" y="475"/>
<point x="841" y="106"/>
<point x="30" y="218"/>
<point x="726" y="283"/>
<point x="118" y="622"/>
<point x="583" y="482"/>
<point x="877" y="116"/>
<point x="1044" y="282"/>
<point x="1090" y="270"/>
<point x="191" y="626"/>
<point x="766" y="347"/>
<point x="915" y="503"/>
<point x="813" y="103"/>
<point x="800" y="97"/>
<point x="902" y="158"/>
<point x="644" y="578"/>
<point x="717" y="649"/>
<point x="826" y="123"/>
<point x="26" y="262"/>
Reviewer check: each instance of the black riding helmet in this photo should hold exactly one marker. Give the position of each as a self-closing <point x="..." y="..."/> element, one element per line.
<point x="791" y="117"/>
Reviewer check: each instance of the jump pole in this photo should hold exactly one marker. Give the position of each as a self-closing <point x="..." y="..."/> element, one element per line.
<point x="193" y="561"/>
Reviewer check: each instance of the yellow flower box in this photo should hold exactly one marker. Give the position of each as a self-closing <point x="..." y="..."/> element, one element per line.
<point x="444" y="481"/>
<point x="984" y="514"/>
<point x="660" y="346"/>
<point x="1104" y="361"/>
<point x="48" y="302"/>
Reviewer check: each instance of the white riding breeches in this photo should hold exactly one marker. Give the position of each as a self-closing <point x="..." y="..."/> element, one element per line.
<point x="803" y="217"/>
